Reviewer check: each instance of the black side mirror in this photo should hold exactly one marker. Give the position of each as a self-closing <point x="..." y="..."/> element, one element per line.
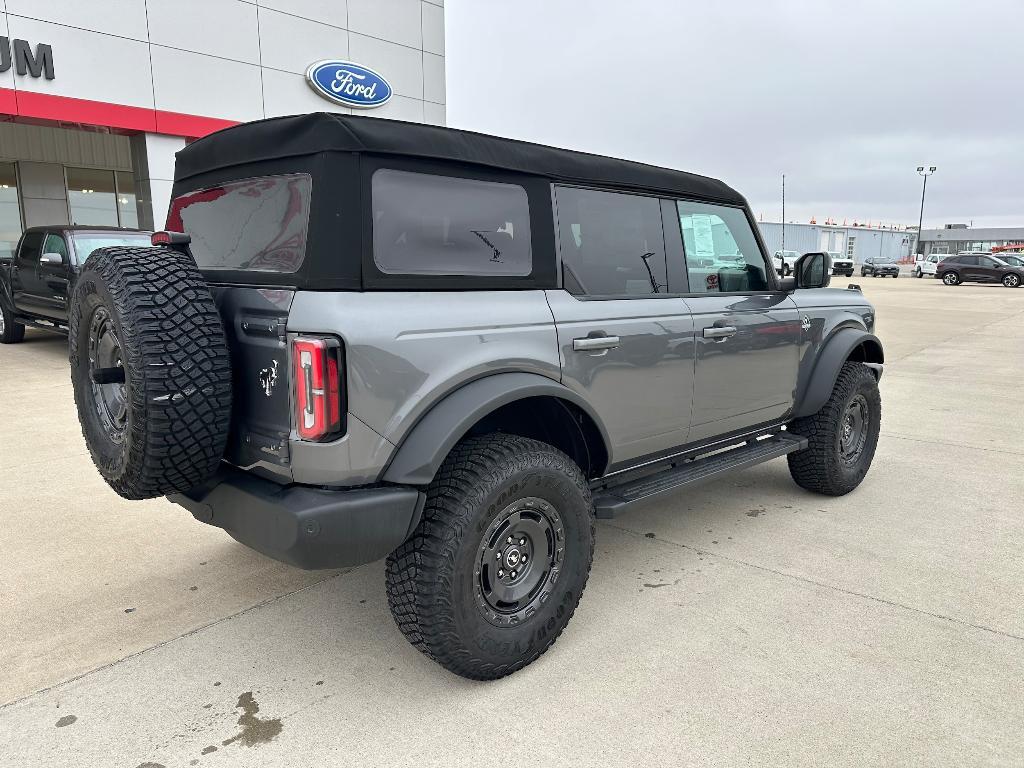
<point x="813" y="270"/>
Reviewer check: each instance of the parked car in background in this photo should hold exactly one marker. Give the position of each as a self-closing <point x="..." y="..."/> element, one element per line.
<point x="841" y="265"/>
<point x="36" y="282"/>
<point x="925" y="265"/>
<point x="1013" y="259"/>
<point x="783" y="262"/>
<point x="979" y="268"/>
<point x="879" y="266"/>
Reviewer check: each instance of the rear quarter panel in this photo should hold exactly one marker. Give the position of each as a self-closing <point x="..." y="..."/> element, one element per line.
<point x="406" y="350"/>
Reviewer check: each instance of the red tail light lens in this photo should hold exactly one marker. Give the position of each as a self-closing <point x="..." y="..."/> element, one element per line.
<point x="318" y="406"/>
<point x="170" y="238"/>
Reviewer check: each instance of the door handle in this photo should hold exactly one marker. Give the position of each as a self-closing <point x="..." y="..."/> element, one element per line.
<point x="594" y="343"/>
<point x="720" y="332"/>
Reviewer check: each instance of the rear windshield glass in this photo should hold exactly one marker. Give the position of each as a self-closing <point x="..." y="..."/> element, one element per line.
<point x="442" y="225"/>
<point x="86" y="244"/>
<point x="256" y="224"/>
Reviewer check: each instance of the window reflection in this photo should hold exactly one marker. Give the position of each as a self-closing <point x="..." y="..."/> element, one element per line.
<point x="10" y="211"/>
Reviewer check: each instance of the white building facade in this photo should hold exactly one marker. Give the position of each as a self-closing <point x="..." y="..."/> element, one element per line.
<point x="97" y="96"/>
<point x="857" y="243"/>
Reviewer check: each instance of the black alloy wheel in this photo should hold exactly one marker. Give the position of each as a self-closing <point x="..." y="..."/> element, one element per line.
<point x="107" y="375"/>
<point x="519" y="560"/>
<point x="853" y="431"/>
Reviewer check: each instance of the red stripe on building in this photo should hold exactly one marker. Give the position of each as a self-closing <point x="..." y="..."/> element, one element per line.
<point x="119" y="117"/>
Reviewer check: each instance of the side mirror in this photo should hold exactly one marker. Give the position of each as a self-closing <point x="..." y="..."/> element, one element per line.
<point x="813" y="270"/>
<point x="51" y="260"/>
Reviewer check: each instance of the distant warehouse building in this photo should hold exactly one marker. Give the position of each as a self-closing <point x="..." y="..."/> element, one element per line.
<point x="954" y="238"/>
<point x="857" y="243"/>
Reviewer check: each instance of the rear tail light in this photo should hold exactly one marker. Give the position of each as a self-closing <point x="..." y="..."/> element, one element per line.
<point x="318" y="391"/>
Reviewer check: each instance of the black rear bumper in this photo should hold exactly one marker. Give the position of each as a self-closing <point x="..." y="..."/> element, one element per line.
<point x="305" y="526"/>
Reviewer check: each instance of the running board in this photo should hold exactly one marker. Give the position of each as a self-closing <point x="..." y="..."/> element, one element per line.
<point x="613" y="501"/>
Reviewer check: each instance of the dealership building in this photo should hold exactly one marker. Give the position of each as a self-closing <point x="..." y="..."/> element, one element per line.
<point x="954" y="238"/>
<point x="96" y="97"/>
<point x="854" y="242"/>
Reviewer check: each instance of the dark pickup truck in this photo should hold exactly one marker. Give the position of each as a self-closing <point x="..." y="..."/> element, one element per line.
<point x="36" y="282"/>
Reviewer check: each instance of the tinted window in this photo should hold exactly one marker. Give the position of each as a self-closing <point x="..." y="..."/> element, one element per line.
<point x="441" y="225"/>
<point x="257" y="224"/>
<point x="611" y="244"/>
<point x="985" y="261"/>
<point x="722" y="255"/>
<point x="971" y="261"/>
<point x="31" y="247"/>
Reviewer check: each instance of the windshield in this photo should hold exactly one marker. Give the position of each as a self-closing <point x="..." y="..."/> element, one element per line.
<point x="86" y="243"/>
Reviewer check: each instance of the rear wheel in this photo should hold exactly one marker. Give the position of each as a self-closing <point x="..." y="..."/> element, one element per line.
<point x="1011" y="280"/>
<point x="10" y="331"/>
<point x="495" y="569"/>
<point x="842" y="436"/>
<point x="951" y="278"/>
<point x="150" y="370"/>
<point x="918" y="272"/>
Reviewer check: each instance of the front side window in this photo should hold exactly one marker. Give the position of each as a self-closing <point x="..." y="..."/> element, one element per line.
<point x="56" y="244"/>
<point x="257" y="224"/>
<point x="722" y="255"/>
<point x="611" y="244"/>
<point x="425" y="224"/>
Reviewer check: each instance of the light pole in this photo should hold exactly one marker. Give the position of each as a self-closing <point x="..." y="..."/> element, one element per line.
<point x="925" y="172"/>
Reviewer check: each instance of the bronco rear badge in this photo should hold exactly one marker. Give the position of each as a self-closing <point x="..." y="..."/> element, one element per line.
<point x="268" y="378"/>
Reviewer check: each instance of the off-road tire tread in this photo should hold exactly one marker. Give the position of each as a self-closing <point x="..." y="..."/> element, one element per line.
<point x="816" y="468"/>
<point x="178" y="366"/>
<point x="419" y="574"/>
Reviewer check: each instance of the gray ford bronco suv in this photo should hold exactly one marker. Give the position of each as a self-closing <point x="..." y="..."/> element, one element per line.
<point x="360" y="338"/>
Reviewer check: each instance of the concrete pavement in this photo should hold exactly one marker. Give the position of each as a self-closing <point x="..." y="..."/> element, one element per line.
<point x="744" y="622"/>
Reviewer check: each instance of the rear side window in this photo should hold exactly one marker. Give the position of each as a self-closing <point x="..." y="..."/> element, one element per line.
<point x="425" y="224"/>
<point x="611" y="244"/>
<point x="31" y="247"/>
<point x="257" y="224"/>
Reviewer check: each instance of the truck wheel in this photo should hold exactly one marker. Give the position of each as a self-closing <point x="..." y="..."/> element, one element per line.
<point x="497" y="565"/>
<point x="150" y="370"/>
<point x="10" y="331"/>
<point x="918" y="272"/>
<point x="841" y="436"/>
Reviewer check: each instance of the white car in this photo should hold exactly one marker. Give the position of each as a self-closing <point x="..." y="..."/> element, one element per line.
<point x="784" y="261"/>
<point x="925" y="265"/>
<point x="841" y="265"/>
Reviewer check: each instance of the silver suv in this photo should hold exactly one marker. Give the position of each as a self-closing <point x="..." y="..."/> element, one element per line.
<point x="361" y="339"/>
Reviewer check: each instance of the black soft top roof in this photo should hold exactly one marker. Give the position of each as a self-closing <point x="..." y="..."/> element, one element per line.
<point x="283" y="137"/>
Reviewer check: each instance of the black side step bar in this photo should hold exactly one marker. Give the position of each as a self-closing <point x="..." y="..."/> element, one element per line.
<point x="613" y="501"/>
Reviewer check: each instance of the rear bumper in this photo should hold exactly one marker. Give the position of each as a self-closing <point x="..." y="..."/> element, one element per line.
<point x="305" y="526"/>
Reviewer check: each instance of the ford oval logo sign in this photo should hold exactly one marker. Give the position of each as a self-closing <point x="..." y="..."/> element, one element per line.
<point x="348" y="83"/>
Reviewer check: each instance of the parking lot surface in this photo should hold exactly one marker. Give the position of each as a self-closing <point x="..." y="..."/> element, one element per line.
<point x="745" y="622"/>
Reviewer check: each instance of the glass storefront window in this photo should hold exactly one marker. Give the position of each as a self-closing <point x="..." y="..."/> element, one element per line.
<point x="91" y="197"/>
<point x="126" y="210"/>
<point x="10" y="211"/>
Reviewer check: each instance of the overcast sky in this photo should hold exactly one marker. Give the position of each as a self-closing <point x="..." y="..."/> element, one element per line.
<point x="845" y="98"/>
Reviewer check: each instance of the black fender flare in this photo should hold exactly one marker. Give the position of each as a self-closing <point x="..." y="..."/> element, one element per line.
<point x="837" y="350"/>
<point x="427" y="444"/>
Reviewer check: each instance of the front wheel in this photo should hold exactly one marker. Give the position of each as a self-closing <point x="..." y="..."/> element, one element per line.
<point x="10" y="331"/>
<point x="842" y="436"/>
<point x="1011" y="280"/>
<point x="918" y="272"/>
<point x="951" y="278"/>
<point x="497" y="565"/>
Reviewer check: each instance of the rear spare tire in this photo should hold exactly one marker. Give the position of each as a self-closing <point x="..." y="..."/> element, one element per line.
<point x="150" y="370"/>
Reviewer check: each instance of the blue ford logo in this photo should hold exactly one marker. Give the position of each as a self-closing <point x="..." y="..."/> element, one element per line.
<point x="347" y="83"/>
